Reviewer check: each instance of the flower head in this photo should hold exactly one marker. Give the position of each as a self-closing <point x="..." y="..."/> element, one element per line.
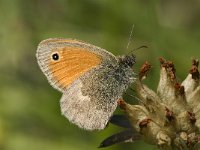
<point x="170" y="117"/>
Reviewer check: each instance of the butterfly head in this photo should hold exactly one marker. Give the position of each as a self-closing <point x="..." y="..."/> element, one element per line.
<point x="127" y="60"/>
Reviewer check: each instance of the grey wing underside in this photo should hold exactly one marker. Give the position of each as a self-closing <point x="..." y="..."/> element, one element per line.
<point x="82" y="110"/>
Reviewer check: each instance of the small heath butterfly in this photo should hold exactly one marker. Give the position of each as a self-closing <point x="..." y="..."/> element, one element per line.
<point x="90" y="79"/>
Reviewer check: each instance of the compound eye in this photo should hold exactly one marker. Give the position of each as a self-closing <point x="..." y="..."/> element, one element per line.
<point x="55" y="56"/>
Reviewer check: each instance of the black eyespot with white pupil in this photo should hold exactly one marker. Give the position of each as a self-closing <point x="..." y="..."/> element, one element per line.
<point x="55" y="56"/>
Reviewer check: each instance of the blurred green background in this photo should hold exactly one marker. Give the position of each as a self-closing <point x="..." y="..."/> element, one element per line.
<point x="30" y="115"/>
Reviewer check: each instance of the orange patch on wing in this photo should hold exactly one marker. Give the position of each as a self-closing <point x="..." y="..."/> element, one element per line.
<point x="73" y="62"/>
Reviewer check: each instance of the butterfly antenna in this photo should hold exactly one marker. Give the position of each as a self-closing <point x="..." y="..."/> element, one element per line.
<point x="130" y="37"/>
<point x="135" y="49"/>
<point x="129" y="41"/>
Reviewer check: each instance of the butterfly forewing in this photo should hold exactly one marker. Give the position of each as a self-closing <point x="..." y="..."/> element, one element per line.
<point x="74" y="59"/>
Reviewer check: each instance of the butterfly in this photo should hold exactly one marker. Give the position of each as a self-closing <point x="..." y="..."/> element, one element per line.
<point x="90" y="79"/>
